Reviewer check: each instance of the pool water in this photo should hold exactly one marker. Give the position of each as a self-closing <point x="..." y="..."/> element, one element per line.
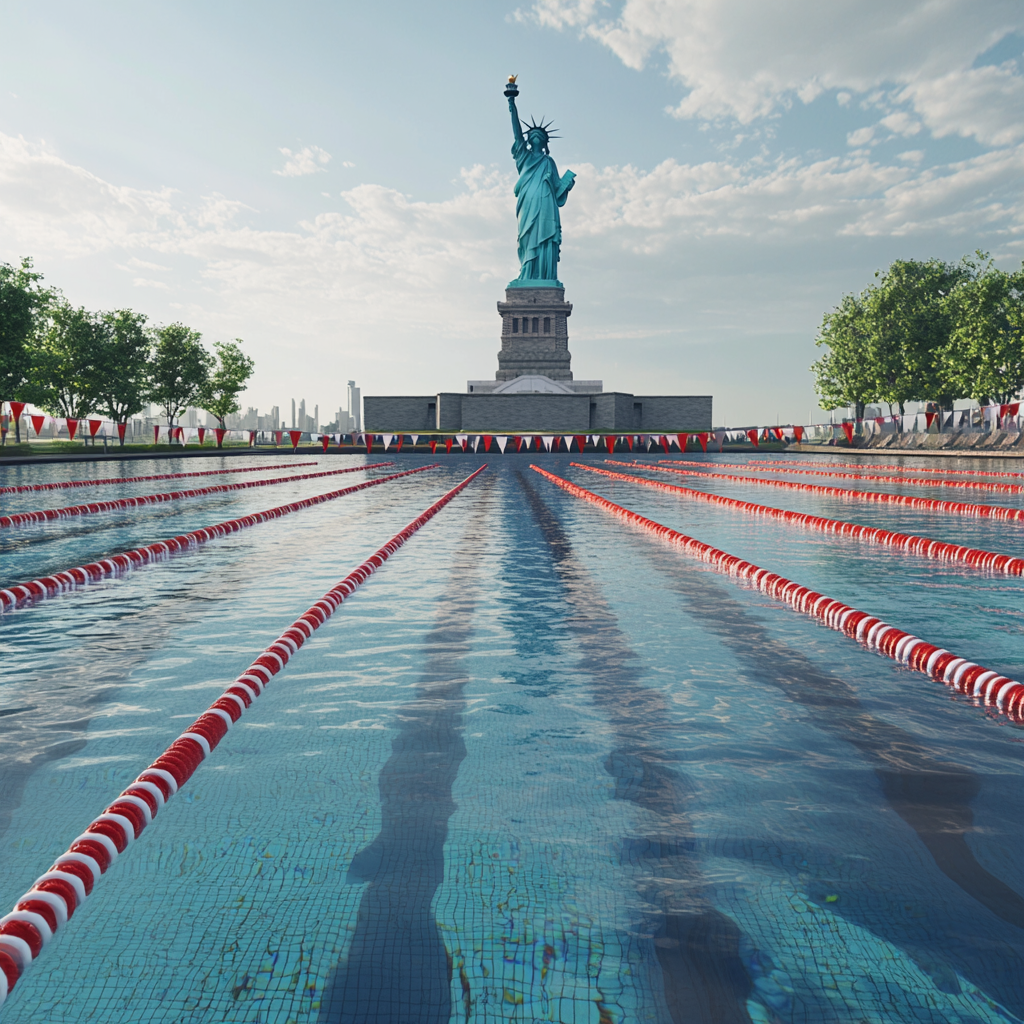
<point x="540" y="767"/>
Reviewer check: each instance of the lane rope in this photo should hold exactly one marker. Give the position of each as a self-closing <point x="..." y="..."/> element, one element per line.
<point x="986" y="686"/>
<point x="1003" y="512"/>
<point x="894" y="467"/>
<point x="56" y="894"/>
<point x="19" y="595"/>
<point x="24" y="488"/>
<point x="973" y="485"/>
<point x="47" y="514"/>
<point x="926" y="547"/>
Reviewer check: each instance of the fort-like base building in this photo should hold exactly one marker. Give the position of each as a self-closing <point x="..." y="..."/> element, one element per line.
<point x="534" y="390"/>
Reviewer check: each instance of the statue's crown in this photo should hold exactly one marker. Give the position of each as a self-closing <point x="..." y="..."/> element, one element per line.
<point x="545" y="129"/>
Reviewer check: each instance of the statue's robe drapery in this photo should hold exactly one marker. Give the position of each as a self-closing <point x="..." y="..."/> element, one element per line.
<point x="539" y="194"/>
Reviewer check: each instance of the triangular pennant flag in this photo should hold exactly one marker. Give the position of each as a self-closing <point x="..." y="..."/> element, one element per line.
<point x="94" y="426"/>
<point x="17" y="408"/>
<point x="547" y="439"/>
<point x="433" y="445"/>
<point x="476" y="442"/>
<point x="567" y="441"/>
<point x="848" y="430"/>
<point x="121" y="428"/>
<point x="448" y="444"/>
<point x="387" y="439"/>
<point x="629" y="441"/>
<point x="487" y="442"/>
<point x="720" y="438"/>
<point x="752" y="434"/>
<point x="156" y="434"/>
<point x="581" y="440"/>
<point x="519" y="442"/>
<point x="202" y="435"/>
<point x="502" y="440"/>
<point x="400" y="439"/>
<point x="609" y="443"/>
<point x="295" y="435"/>
<point x="415" y="438"/>
<point x="220" y="433"/>
<point x="38" y="422"/>
<point x="663" y="440"/>
<point x="463" y="440"/>
<point x="538" y="442"/>
<point x="703" y="438"/>
<point x="777" y="431"/>
<point x="682" y="439"/>
<point x="368" y="438"/>
<point x="252" y="438"/>
<point x="929" y="417"/>
<point x="325" y="440"/>
<point x="798" y="433"/>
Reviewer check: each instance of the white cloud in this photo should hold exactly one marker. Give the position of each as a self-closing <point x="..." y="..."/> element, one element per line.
<point x="746" y="59"/>
<point x="308" y="160"/>
<point x="861" y="137"/>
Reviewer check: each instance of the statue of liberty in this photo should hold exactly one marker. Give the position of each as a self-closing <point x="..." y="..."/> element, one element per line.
<point x="539" y="194"/>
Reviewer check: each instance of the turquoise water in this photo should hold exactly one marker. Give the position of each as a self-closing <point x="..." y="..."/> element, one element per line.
<point x="541" y="767"/>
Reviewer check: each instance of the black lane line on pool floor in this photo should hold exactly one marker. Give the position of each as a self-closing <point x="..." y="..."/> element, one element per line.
<point x="930" y="794"/>
<point x="697" y="947"/>
<point x="398" y="968"/>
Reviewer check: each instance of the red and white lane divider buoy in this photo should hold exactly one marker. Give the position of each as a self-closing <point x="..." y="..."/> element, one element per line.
<point x="959" y="508"/>
<point x="59" y="892"/>
<point x="48" y="514"/>
<point x="989" y="687"/>
<point x="927" y="547"/>
<point x="759" y="467"/>
<point x="894" y="468"/>
<point x="20" y="594"/>
<point x="67" y="484"/>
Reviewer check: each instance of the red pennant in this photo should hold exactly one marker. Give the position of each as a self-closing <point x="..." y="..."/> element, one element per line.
<point x="777" y="431"/>
<point x="121" y="428"/>
<point x="682" y="439"/>
<point x="848" y="431"/>
<point x="180" y="433"/>
<point x="703" y="438"/>
<point x="399" y="448"/>
<point x="220" y="433"/>
<point x="72" y="427"/>
<point x="94" y="426"/>
<point x="448" y="444"/>
<point x="156" y="435"/>
<point x="1013" y="409"/>
<point x="554" y="443"/>
<point x="37" y="422"/>
<point x="629" y="441"/>
<point x="487" y="442"/>
<point x="798" y="433"/>
<point x="664" y="442"/>
<point x="17" y="408"/>
<point x="752" y="434"/>
<point x="580" y="442"/>
<point x="609" y="443"/>
<point x="433" y="447"/>
<point x="929" y="418"/>
<point x="202" y="434"/>
<point x="519" y="442"/>
<point x="252" y="438"/>
<point x="325" y="440"/>
<point x="539" y="445"/>
<point x="295" y="435"/>
<point x="465" y="442"/>
<point x="369" y="443"/>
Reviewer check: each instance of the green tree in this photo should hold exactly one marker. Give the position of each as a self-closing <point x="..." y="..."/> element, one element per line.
<point x="984" y="358"/>
<point x="234" y="368"/>
<point x="122" y="383"/>
<point x="843" y="376"/>
<point x="180" y="370"/>
<point x="23" y="303"/>
<point x="64" y="362"/>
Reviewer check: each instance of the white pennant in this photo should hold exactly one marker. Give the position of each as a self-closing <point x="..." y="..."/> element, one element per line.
<point x="547" y="439"/>
<point x="415" y="438"/>
<point x="387" y="439"/>
<point x="476" y="442"/>
<point x="502" y="440"/>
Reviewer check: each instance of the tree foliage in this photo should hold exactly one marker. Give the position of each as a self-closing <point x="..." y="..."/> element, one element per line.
<point x="180" y="369"/>
<point x="64" y="363"/>
<point x="228" y="380"/>
<point x="123" y="384"/>
<point x="925" y="331"/>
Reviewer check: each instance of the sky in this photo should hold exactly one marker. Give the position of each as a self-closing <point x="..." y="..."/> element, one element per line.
<point x="332" y="183"/>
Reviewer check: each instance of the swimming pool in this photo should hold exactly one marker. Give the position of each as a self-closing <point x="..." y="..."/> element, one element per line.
<point x="540" y="767"/>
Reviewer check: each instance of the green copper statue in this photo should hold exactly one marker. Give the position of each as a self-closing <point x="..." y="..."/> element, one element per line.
<point x="539" y="194"/>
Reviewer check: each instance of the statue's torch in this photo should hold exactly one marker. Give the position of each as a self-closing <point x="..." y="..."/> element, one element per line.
<point x="511" y="89"/>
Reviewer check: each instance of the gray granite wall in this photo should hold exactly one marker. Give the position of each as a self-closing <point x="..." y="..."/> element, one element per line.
<point x="401" y="412"/>
<point x="666" y="413"/>
<point x="496" y="414"/>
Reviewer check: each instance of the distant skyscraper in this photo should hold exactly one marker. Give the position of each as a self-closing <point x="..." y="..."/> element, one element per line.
<point x="355" y="406"/>
<point x="293" y="414"/>
<point x="316" y="417"/>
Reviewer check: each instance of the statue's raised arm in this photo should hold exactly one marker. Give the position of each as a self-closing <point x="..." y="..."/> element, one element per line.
<point x="517" y="125"/>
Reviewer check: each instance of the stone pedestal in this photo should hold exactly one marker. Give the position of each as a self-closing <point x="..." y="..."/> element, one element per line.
<point x="534" y="334"/>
